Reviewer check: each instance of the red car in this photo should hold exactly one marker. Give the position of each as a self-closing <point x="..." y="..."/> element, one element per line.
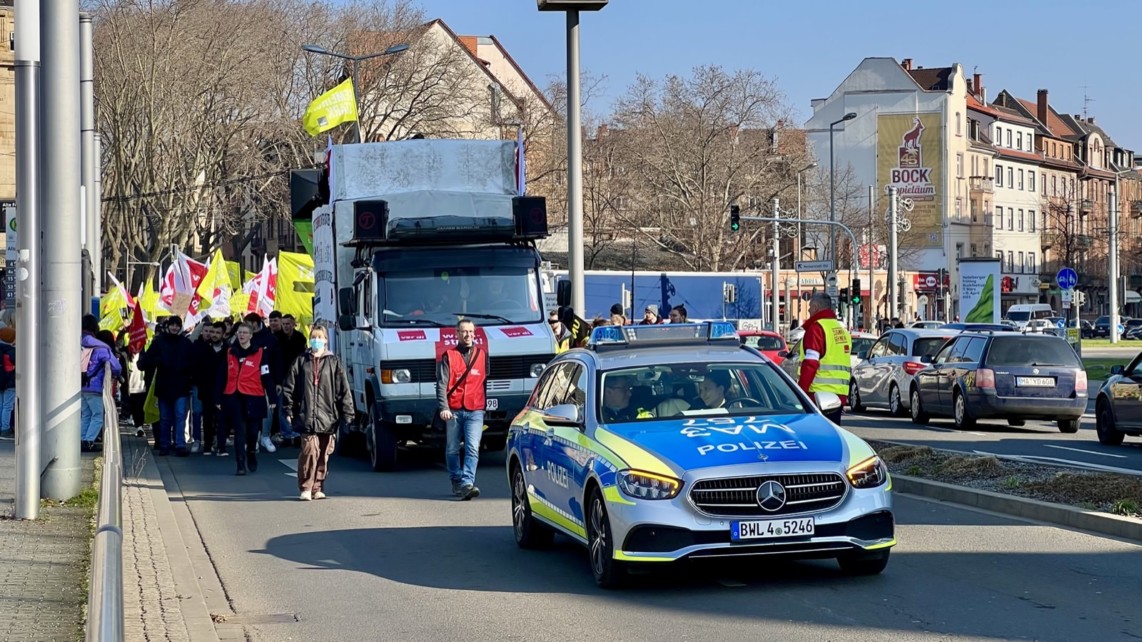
<point x="767" y="342"/>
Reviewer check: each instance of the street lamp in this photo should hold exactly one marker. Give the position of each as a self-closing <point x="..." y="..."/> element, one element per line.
<point x="797" y="244"/>
<point x="356" y="60"/>
<point x="1112" y="260"/>
<point x="833" y="188"/>
<point x="574" y="144"/>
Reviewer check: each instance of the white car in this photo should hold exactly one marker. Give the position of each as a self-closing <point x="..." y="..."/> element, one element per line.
<point x="862" y="343"/>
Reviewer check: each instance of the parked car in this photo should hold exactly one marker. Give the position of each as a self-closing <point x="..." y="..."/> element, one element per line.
<point x="862" y="343"/>
<point x="1008" y="376"/>
<point x="978" y="327"/>
<point x="1087" y="329"/>
<point x="769" y="343"/>
<point x="883" y="378"/>
<point x="926" y="325"/>
<point x="1132" y="329"/>
<point x="1118" y="406"/>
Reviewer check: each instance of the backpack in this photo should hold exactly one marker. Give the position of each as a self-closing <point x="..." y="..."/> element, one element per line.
<point x="85" y="365"/>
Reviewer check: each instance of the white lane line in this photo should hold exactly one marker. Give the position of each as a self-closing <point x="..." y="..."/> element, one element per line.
<point x="1039" y="459"/>
<point x="290" y="464"/>
<point x="1089" y="452"/>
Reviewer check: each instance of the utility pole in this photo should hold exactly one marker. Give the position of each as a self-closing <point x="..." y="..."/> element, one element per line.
<point x="29" y="412"/>
<point x="868" y="321"/>
<point x="891" y="279"/>
<point x="61" y="302"/>
<point x="1113" y="265"/>
<point x="575" y="168"/>
<point x="91" y="287"/>
<point x="775" y="274"/>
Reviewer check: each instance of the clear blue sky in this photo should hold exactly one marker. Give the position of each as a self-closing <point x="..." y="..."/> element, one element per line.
<point x="809" y="47"/>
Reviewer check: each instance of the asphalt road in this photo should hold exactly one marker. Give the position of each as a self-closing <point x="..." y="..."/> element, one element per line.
<point x="1037" y="441"/>
<point x="1126" y="350"/>
<point x="393" y="557"/>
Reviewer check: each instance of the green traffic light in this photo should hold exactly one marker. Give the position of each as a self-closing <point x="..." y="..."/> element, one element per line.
<point x="735" y="226"/>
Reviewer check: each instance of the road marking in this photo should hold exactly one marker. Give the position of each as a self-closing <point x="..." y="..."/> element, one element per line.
<point x="1089" y="452"/>
<point x="1037" y="459"/>
<point x="290" y="464"/>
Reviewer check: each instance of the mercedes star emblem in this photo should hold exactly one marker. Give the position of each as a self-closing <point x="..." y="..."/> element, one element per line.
<point x="771" y="496"/>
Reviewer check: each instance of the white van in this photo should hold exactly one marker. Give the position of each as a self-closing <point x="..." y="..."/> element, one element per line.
<point x="1021" y="313"/>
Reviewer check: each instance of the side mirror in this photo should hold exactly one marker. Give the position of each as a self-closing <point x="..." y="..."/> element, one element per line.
<point x="862" y="355"/>
<point x="1117" y="370"/>
<point x="828" y="402"/>
<point x="347" y="322"/>
<point x="926" y="359"/>
<point x="784" y="354"/>
<point x="563" y="293"/>
<point x="564" y="414"/>
<point x="347" y="301"/>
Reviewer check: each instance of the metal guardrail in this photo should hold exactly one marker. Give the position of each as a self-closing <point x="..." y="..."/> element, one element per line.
<point x="105" y="598"/>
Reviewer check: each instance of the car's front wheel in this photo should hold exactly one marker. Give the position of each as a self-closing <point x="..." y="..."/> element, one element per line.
<point x="864" y="563"/>
<point x="854" y="397"/>
<point x="529" y="532"/>
<point x="608" y="572"/>
<point x="1108" y="435"/>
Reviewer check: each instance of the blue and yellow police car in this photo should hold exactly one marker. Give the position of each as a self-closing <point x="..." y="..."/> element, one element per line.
<point x="660" y="443"/>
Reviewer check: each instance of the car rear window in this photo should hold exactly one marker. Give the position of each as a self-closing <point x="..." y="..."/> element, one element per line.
<point x="762" y="342"/>
<point x="1026" y="351"/>
<point x="927" y="346"/>
<point x="1019" y="316"/>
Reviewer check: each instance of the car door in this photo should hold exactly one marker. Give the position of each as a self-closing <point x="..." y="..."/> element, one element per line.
<point x="928" y="381"/>
<point x="552" y="479"/>
<point x="535" y="449"/>
<point x="866" y="371"/>
<point x="950" y="370"/>
<point x="1126" y="395"/>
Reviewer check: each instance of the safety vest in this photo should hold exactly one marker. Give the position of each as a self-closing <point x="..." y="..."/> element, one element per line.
<point x="469" y="395"/>
<point x="563" y="345"/>
<point x="833" y="373"/>
<point x="244" y="375"/>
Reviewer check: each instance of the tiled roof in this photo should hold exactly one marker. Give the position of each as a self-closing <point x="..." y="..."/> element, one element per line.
<point x="1012" y="116"/>
<point x="974" y="104"/>
<point x="934" y="79"/>
<point x="1019" y="155"/>
<point x="1054" y="123"/>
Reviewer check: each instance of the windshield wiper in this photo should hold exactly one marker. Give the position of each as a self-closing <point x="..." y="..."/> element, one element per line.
<point x="493" y="317"/>
<point x="415" y="320"/>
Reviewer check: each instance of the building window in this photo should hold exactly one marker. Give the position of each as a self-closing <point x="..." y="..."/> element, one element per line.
<point x="1054" y="185"/>
<point x="959" y="165"/>
<point x="998" y="222"/>
<point x="974" y="249"/>
<point x="959" y="250"/>
<point x="998" y="136"/>
<point x="1011" y="219"/>
<point x="998" y="175"/>
<point x="1031" y="220"/>
<point x="1020" y="220"/>
<point x="959" y="125"/>
<point x="999" y="255"/>
<point x="1010" y="261"/>
<point x="959" y="208"/>
<point x="1020" y="264"/>
<point x="1011" y="177"/>
<point x="1031" y="263"/>
<point x="1008" y="132"/>
<point x="1020" y="179"/>
<point x="1019" y="140"/>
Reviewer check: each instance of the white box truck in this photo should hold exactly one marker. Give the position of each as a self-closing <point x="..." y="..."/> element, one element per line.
<point x="416" y="235"/>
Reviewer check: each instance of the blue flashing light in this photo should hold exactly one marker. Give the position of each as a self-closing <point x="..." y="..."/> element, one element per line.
<point x="722" y="330"/>
<point x="608" y="335"/>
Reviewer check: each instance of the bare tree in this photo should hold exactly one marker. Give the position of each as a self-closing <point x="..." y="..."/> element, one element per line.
<point x="696" y="145"/>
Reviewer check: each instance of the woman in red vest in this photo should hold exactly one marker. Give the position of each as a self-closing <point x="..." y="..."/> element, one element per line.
<point x="243" y="393"/>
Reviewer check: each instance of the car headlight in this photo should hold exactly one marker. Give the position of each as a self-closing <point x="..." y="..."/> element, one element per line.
<point x="869" y="473"/>
<point x="641" y="485"/>
<point x="537" y="369"/>
<point x="396" y="376"/>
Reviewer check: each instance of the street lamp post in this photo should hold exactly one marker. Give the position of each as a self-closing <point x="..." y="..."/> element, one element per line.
<point x="356" y="60"/>
<point x="797" y="244"/>
<point x="1112" y="261"/>
<point x="833" y="187"/>
<point x="574" y="144"/>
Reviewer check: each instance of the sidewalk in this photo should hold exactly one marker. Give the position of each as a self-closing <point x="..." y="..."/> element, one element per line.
<point x="43" y="563"/>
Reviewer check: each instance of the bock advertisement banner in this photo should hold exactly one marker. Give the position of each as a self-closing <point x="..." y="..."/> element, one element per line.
<point x="979" y="291"/>
<point x="909" y="157"/>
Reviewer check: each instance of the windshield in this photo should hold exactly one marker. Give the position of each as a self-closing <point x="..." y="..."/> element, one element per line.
<point x="862" y="346"/>
<point x="927" y="346"/>
<point x="491" y="295"/>
<point x="1018" y="316"/>
<point x="1020" y="351"/>
<point x="695" y="389"/>
<point x="764" y="342"/>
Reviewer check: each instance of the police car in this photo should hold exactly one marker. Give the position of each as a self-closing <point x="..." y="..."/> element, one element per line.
<point x="669" y="442"/>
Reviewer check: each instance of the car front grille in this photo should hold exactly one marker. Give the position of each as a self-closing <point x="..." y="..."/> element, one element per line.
<point x="737" y="496"/>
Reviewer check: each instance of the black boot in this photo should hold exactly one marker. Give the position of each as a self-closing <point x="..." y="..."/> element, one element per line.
<point x="252" y="461"/>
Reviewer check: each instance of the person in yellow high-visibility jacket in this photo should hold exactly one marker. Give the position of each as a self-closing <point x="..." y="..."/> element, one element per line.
<point x="825" y="349"/>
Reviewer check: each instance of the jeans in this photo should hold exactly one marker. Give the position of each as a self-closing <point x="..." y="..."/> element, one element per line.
<point x="91" y="415"/>
<point x="7" y="404"/>
<point x="468" y="424"/>
<point x="195" y="416"/>
<point x="172" y="422"/>
<point x="268" y="422"/>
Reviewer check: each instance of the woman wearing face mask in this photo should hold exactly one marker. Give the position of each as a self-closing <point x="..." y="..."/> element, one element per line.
<point x="317" y="399"/>
<point x="242" y="390"/>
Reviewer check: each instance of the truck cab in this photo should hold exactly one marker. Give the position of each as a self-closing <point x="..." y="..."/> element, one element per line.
<point x="409" y="254"/>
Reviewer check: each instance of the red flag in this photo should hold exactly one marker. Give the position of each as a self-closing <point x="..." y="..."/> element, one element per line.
<point x="138" y="331"/>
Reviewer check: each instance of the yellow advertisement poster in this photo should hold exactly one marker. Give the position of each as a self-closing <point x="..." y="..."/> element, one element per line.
<point x="910" y="157"/>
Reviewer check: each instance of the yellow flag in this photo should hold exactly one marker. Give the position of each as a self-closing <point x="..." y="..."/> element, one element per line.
<point x="234" y="269"/>
<point x="149" y="301"/>
<point x="215" y="288"/>
<point x="336" y="106"/>
<point x="295" y="288"/>
<point x="112" y="307"/>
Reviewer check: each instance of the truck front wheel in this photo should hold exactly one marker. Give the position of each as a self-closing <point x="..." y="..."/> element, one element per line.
<point x="382" y="442"/>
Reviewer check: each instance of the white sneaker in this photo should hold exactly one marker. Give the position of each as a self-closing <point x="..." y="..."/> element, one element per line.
<point x="268" y="445"/>
<point x="195" y="448"/>
<point x="306" y="496"/>
<point x="319" y="495"/>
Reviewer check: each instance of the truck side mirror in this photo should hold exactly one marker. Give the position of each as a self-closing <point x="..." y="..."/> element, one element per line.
<point x="347" y="322"/>
<point x="347" y="300"/>
<point x="563" y="293"/>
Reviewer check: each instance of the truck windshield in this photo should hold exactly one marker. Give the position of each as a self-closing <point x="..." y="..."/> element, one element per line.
<point x="493" y="295"/>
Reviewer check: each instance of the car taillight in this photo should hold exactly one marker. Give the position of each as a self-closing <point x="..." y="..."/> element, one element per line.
<point x="912" y="367"/>
<point x="1080" y="381"/>
<point x="985" y="378"/>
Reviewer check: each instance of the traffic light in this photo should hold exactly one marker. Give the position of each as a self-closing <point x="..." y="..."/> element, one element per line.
<point x="844" y="294"/>
<point x="856" y="291"/>
<point x="735" y="218"/>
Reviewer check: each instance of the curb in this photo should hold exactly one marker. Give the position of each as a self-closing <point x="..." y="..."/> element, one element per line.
<point x="1033" y="509"/>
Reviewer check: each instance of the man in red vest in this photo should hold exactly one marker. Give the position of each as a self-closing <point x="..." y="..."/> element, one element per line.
<point x="460" y="377"/>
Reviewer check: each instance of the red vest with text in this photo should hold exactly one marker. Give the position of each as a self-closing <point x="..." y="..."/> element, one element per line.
<point x="470" y="394"/>
<point x="244" y="375"/>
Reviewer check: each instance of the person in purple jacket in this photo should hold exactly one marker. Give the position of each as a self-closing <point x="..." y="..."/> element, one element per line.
<point x="95" y="355"/>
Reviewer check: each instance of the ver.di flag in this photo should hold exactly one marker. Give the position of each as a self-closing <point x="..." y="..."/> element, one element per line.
<point x="336" y="106"/>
